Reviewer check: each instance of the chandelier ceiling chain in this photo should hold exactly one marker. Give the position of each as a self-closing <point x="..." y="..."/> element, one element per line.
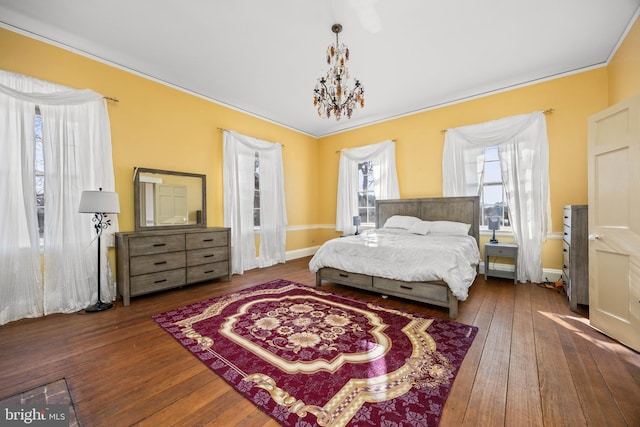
<point x="332" y="94"/>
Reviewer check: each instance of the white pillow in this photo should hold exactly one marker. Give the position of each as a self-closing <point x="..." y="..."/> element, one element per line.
<point x="401" y="221"/>
<point x="450" y="227"/>
<point x="421" y="227"/>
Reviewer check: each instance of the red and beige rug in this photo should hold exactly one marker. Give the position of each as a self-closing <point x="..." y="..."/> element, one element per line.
<point x="309" y="357"/>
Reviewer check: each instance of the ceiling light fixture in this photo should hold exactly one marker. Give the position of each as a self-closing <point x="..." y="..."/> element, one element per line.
<point x="332" y="94"/>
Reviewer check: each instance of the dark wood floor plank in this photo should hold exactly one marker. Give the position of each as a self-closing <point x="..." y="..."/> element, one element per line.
<point x="489" y="395"/>
<point x="524" y="407"/>
<point x="122" y="369"/>
<point x="595" y="381"/>
<point x="560" y="402"/>
<point x="455" y="411"/>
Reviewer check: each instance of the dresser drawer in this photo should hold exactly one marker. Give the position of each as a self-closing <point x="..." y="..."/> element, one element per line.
<point x="566" y="234"/>
<point x="566" y="255"/>
<point x="408" y="289"/>
<point x="207" y="255"/>
<point x="158" y="262"/>
<point x="210" y="271"/>
<point x="147" y="283"/>
<point x="342" y="277"/>
<point x="206" y="239"/>
<point x="156" y="244"/>
<point x="566" y="216"/>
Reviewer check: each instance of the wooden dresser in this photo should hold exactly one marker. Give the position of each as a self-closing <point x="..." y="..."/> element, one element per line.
<point x="151" y="261"/>
<point x="575" y="255"/>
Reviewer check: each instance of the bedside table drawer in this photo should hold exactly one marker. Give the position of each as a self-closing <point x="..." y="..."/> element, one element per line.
<point x="501" y="251"/>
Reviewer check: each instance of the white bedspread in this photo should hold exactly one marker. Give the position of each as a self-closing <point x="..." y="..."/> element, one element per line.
<point x="396" y="254"/>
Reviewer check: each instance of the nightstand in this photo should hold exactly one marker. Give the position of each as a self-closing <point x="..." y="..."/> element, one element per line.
<point x="501" y="250"/>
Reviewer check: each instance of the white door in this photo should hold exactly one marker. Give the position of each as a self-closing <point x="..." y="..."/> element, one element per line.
<point x="171" y="204"/>
<point x="614" y="222"/>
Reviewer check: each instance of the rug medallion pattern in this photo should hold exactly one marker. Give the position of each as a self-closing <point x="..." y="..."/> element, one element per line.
<point x="309" y="357"/>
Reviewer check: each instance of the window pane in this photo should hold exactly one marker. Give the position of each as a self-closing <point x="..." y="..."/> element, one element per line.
<point x="491" y="154"/>
<point x="492" y="172"/>
<point x="256" y="194"/>
<point x="492" y="194"/>
<point x="366" y="194"/>
<point x="39" y="172"/>
<point x="493" y="197"/>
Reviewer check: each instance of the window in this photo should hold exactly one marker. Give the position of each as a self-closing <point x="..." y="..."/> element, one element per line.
<point x="366" y="193"/>
<point x="256" y="191"/>
<point x="493" y="198"/>
<point x="39" y="172"/>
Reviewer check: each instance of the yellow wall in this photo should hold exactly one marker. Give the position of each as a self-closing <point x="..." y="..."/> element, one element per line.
<point x="156" y="126"/>
<point x="624" y="68"/>
<point x="420" y="142"/>
<point x="159" y="127"/>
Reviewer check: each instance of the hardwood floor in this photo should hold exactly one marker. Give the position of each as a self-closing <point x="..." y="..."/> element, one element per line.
<point x="533" y="362"/>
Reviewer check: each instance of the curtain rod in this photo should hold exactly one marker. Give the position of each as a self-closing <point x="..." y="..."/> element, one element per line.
<point x="547" y="111"/>
<point x="393" y="140"/>
<point x="111" y="98"/>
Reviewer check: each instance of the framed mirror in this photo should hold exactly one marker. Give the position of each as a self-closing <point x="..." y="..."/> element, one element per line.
<point x="167" y="199"/>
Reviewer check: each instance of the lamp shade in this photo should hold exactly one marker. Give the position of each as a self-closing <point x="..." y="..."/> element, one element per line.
<point x="356" y="220"/>
<point x="99" y="202"/>
<point x="494" y="223"/>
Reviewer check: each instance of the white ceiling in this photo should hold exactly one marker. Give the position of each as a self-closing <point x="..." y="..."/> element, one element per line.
<point x="263" y="57"/>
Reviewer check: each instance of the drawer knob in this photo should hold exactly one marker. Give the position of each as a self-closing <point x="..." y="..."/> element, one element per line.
<point x="343" y="275"/>
<point x="409" y="288"/>
<point x="159" y="262"/>
<point x="157" y="245"/>
<point x="207" y="240"/>
<point x="209" y="271"/>
<point x="208" y="255"/>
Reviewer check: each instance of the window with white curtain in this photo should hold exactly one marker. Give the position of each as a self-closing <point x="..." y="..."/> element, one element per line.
<point x="254" y="186"/>
<point x="366" y="174"/>
<point x="523" y="153"/>
<point x="73" y="131"/>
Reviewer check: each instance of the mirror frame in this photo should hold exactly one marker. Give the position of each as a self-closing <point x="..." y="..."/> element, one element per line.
<point x="136" y="200"/>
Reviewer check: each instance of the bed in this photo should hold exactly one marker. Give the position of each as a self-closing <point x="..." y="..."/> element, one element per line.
<point x="332" y="262"/>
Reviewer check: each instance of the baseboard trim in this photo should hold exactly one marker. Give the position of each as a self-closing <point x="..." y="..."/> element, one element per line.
<point x="301" y="253"/>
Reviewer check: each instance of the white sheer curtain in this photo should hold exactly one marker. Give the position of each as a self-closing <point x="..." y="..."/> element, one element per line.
<point x="77" y="157"/>
<point x="239" y="183"/>
<point x="383" y="156"/>
<point x="523" y="149"/>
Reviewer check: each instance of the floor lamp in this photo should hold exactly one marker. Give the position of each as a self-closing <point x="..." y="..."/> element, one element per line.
<point x="99" y="203"/>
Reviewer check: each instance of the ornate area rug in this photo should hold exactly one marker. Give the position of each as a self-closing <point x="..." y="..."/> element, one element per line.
<point x="309" y="357"/>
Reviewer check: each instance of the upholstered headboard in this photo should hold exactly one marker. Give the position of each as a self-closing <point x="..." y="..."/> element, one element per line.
<point x="460" y="209"/>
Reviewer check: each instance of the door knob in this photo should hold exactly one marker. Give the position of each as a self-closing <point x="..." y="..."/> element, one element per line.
<point x="593" y="237"/>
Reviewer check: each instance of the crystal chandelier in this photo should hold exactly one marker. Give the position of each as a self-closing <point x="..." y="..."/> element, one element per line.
<point x="332" y="94"/>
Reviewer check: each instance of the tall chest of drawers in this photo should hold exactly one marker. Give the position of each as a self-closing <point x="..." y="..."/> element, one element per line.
<point x="575" y="255"/>
<point x="151" y="261"/>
